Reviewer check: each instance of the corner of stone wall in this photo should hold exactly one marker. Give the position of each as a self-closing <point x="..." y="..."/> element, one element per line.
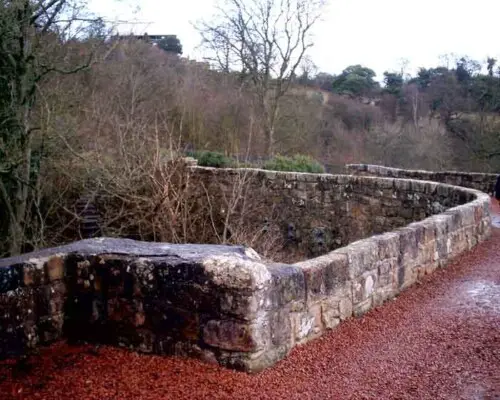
<point x="239" y="333"/>
<point x="310" y="297"/>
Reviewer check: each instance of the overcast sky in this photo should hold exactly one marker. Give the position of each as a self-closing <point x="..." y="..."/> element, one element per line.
<point x="374" y="33"/>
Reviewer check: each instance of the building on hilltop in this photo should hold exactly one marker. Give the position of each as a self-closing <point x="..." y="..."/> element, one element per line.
<point x="146" y="37"/>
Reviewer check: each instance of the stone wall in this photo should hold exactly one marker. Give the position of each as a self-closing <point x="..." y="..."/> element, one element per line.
<point x="224" y="304"/>
<point x="474" y="180"/>
<point x="317" y="213"/>
<point x="191" y="300"/>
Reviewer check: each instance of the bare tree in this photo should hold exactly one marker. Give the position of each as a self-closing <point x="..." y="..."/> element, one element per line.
<point x="413" y="97"/>
<point x="265" y="41"/>
<point x="32" y="33"/>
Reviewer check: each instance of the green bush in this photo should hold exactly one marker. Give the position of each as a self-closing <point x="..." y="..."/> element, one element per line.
<point x="212" y="159"/>
<point x="296" y="163"/>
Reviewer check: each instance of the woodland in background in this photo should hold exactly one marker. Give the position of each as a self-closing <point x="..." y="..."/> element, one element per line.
<point x="463" y="101"/>
<point x="103" y="120"/>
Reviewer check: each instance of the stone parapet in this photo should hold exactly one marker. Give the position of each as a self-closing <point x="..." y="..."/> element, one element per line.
<point x="474" y="180"/>
<point x="225" y="304"/>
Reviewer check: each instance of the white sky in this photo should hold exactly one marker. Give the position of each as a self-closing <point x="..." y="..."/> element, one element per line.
<point x="374" y="33"/>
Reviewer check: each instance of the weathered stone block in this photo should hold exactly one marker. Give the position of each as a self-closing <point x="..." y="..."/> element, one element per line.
<point x="362" y="256"/>
<point x="55" y="268"/>
<point x="17" y="322"/>
<point x="335" y="309"/>
<point x="33" y="274"/>
<point x="281" y="327"/>
<point x="50" y="328"/>
<point x="308" y="324"/>
<point x="331" y="307"/>
<point x="407" y="275"/>
<point x="237" y="336"/>
<point x="443" y="224"/>
<point x="408" y="246"/>
<point x="330" y="321"/>
<point x="484" y="228"/>
<point x="252" y="362"/>
<point x="406" y="213"/>
<point x="363" y="287"/>
<point x="382" y="294"/>
<point x="468" y="215"/>
<point x="442" y="239"/>
<point x="11" y="277"/>
<point x="363" y="307"/>
<point x="471" y="238"/>
<point x="120" y="309"/>
<point x="230" y="273"/>
<point x="287" y="288"/>
<point x="167" y="319"/>
<point x="430" y="267"/>
<point x="244" y="305"/>
<point x="387" y="272"/>
<point x="346" y="307"/>
<point x="324" y="275"/>
<point x="419" y="186"/>
<point x="388" y="245"/>
<point x="427" y="252"/>
<point x="57" y="297"/>
<point x="458" y="243"/>
<point x="146" y="340"/>
<point x="41" y="298"/>
<point x="203" y="298"/>
<point x="455" y="219"/>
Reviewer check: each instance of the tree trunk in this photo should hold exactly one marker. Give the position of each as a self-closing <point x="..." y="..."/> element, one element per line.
<point x="270" y="141"/>
<point x="415" y="110"/>
<point x="20" y="200"/>
<point x="270" y="130"/>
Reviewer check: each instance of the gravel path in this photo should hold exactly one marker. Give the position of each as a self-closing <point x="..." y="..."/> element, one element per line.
<point x="438" y="340"/>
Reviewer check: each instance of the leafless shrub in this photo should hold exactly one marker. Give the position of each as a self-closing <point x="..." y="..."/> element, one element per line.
<point x="355" y="116"/>
<point x="404" y="145"/>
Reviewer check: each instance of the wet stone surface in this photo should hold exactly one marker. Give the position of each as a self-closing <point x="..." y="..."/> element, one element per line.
<point x="132" y="248"/>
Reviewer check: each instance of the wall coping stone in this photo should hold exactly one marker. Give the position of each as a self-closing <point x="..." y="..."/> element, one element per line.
<point x="475" y="180"/>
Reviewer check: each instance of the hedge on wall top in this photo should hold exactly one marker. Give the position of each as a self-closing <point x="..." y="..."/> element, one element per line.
<point x="296" y="163"/>
<point x="212" y="159"/>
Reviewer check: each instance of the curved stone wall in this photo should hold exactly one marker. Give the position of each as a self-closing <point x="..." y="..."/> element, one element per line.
<point x="474" y="180"/>
<point x="224" y="304"/>
<point x="315" y="213"/>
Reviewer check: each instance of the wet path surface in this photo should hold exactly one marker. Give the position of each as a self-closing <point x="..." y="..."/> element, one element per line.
<point x="438" y="340"/>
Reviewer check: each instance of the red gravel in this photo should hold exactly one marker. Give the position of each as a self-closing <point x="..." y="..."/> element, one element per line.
<point x="438" y="340"/>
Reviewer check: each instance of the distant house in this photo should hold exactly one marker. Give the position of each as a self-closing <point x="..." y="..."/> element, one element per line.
<point x="149" y="38"/>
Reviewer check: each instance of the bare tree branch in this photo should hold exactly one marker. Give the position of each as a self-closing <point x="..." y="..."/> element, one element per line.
<point x="265" y="40"/>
